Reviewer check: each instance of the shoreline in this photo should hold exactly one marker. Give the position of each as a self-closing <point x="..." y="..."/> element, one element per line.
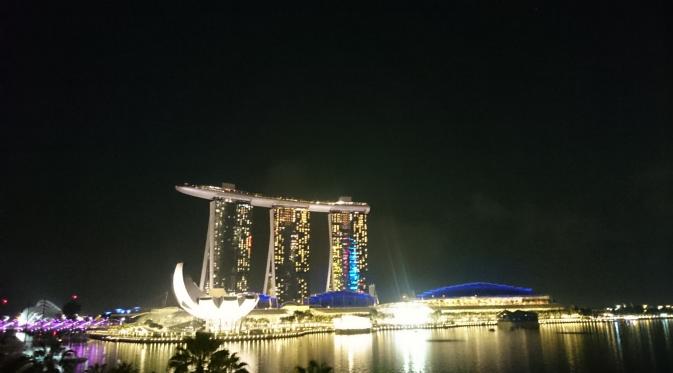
<point x="178" y="338"/>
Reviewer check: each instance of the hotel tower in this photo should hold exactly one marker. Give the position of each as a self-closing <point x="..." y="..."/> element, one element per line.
<point x="226" y="260"/>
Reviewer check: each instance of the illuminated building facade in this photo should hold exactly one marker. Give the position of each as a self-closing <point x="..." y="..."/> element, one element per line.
<point x="226" y="262"/>
<point x="288" y="267"/>
<point x="348" y="251"/>
<point x="484" y="297"/>
<point x="232" y="245"/>
<point x="226" y="265"/>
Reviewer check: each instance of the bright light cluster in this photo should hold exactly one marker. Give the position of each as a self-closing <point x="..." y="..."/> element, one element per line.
<point x="122" y="311"/>
<point x="350" y="322"/>
<point x="409" y="313"/>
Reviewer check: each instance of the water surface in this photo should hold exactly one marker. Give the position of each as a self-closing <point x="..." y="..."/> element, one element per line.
<point x="641" y="346"/>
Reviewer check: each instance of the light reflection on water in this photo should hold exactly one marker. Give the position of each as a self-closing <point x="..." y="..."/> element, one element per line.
<point x="642" y="346"/>
<point x="148" y="357"/>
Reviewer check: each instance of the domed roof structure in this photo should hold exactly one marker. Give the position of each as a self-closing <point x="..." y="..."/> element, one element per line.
<point x="476" y="289"/>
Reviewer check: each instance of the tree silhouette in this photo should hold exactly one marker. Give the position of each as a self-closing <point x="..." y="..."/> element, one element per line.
<point x="48" y="356"/>
<point x="71" y="308"/>
<point x="200" y="355"/>
<point x="223" y="361"/>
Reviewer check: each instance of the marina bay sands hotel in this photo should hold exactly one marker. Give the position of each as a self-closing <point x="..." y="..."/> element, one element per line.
<point x="227" y="254"/>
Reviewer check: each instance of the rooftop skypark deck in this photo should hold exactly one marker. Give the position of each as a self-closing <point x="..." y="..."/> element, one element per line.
<point x="212" y="192"/>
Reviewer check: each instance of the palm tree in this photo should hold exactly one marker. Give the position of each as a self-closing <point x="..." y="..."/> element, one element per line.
<point x="224" y="362"/>
<point x="200" y="354"/>
<point x="181" y="361"/>
<point x="313" y="367"/>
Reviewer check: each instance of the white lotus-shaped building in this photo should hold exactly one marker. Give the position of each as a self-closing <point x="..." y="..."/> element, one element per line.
<point x="219" y="312"/>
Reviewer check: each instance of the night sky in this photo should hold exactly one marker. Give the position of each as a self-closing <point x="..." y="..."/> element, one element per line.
<point x="526" y="143"/>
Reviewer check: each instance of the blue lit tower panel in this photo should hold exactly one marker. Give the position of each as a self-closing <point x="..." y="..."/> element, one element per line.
<point x="348" y="241"/>
<point x="353" y="267"/>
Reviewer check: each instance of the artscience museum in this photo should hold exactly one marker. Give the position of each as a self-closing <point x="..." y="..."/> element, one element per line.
<point x="221" y="311"/>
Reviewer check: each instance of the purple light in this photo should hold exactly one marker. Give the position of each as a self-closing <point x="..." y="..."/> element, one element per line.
<point x="56" y="325"/>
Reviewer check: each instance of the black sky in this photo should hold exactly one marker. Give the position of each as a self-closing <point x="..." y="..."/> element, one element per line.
<point x="521" y="143"/>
